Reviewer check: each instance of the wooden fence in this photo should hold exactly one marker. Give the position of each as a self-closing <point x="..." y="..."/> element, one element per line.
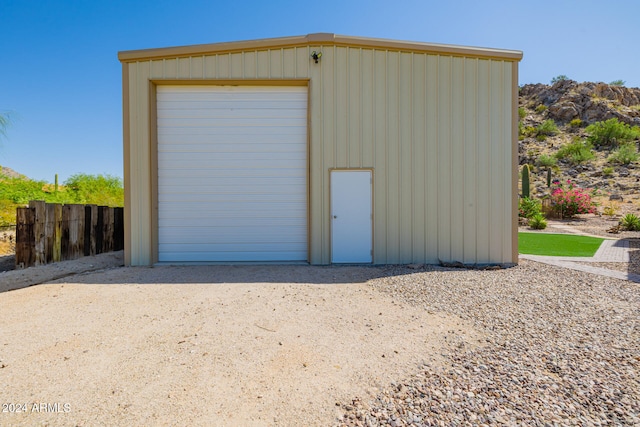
<point x="47" y="232"/>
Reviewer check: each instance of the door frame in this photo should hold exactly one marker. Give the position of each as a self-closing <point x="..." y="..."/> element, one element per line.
<point x="370" y="169"/>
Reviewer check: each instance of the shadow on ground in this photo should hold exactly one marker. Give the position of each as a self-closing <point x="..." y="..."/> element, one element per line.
<point x="108" y="269"/>
<point x="7" y="263"/>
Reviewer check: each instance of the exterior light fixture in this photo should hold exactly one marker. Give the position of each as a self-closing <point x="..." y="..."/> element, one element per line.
<point x="316" y="56"/>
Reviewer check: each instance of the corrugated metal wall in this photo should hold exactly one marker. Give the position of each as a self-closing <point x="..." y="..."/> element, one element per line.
<point x="436" y="129"/>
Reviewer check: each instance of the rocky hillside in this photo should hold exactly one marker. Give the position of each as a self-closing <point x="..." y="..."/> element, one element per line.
<point x="8" y="172"/>
<point x="572" y="107"/>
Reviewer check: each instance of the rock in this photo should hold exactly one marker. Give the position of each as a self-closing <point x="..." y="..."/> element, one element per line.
<point x="415" y="266"/>
<point x="616" y="197"/>
<point x="565" y="111"/>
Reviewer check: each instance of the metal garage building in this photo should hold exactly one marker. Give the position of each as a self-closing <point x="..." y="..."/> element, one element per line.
<point x="322" y="149"/>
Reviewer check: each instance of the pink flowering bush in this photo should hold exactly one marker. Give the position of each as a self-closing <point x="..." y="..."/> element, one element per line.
<point x="570" y="201"/>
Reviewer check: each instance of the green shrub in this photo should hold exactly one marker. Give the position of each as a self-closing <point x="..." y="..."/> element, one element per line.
<point x="575" y="123"/>
<point x="548" y="128"/>
<point x="528" y="207"/>
<point x="538" y="222"/>
<point x="559" y="78"/>
<point x="607" y="171"/>
<point x="520" y="131"/>
<point x="609" y="210"/>
<point x="630" y="222"/>
<point x="546" y="161"/>
<point x="526" y="131"/>
<point x="626" y="153"/>
<point x="541" y="108"/>
<point x="617" y="83"/>
<point x="95" y="189"/>
<point x="612" y="132"/>
<point x="101" y="190"/>
<point x="576" y="152"/>
<point x="522" y="112"/>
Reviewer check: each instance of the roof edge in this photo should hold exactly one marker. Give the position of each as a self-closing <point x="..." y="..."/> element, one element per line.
<point x="325" y="39"/>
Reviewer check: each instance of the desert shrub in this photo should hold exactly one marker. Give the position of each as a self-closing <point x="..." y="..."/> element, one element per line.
<point x="528" y="207"/>
<point x="570" y="201"/>
<point x="522" y="112"/>
<point x="610" y="209"/>
<point x="626" y="153"/>
<point x="525" y="131"/>
<point x="520" y="131"/>
<point x="545" y="160"/>
<point x="559" y="78"/>
<point x="95" y="189"/>
<point x="20" y="190"/>
<point x="617" y="83"/>
<point x="576" y="152"/>
<point x="630" y="222"/>
<point x="607" y="171"/>
<point x="538" y="222"/>
<point x="541" y="108"/>
<point x="612" y="132"/>
<point x="575" y="123"/>
<point x="548" y="128"/>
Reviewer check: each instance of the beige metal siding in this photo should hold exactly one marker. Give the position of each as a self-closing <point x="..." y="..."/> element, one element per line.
<point x="436" y="129"/>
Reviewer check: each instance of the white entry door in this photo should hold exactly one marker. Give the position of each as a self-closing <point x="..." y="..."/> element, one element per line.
<point x="351" y="221"/>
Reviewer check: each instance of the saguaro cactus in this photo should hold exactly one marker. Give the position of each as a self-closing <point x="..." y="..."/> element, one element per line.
<point x="525" y="181"/>
<point x="548" y="177"/>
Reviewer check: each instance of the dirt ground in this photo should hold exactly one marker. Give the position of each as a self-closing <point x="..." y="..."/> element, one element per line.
<point x="208" y="345"/>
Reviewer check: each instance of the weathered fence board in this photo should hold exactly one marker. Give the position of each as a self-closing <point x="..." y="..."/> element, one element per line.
<point x="39" y="222"/>
<point x="25" y="238"/>
<point x="107" y="229"/>
<point x="51" y="232"/>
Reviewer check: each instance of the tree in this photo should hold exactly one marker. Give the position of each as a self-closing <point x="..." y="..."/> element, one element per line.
<point x="95" y="189"/>
<point x="4" y="124"/>
<point x="559" y="78"/>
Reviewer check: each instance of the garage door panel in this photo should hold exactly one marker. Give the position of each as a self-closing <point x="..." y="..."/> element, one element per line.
<point x="208" y="201"/>
<point x="173" y="175"/>
<point x="203" y="144"/>
<point x="270" y="222"/>
<point x="202" y="112"/>
<point x="238" y="160"/>
<point x="225" y="184"/>
<point x="254" y="232"/>
<point x="241" y="123"/>
<point x="229" y="256"/>
<point x="232" y="173"/>
<point x="229" y="132"/>
<point x="283" y="209"/>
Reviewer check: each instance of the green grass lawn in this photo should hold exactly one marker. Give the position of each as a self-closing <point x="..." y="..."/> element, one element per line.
<point x="558" y="244"/>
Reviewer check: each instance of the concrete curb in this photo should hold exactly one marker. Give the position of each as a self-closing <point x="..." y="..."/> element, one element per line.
<point x="609" y="251"/>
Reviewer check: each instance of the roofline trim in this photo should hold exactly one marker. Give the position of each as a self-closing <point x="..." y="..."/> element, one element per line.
<point x="317" y="39"/>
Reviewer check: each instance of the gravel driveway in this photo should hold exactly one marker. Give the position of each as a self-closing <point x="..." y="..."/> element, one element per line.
<point x="209" y="345"/>
<point x="300" y="345"/>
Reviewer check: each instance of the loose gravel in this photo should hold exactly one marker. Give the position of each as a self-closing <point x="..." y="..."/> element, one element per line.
<point x="563" y="348"/>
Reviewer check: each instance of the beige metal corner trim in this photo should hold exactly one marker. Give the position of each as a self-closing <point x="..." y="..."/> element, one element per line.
<point x="514" y="162"/>
<point x="325" y="39"/>
<point x="126" y="142"/>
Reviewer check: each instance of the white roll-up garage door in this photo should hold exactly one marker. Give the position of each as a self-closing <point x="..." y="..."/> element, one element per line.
<point x="232" y="173"/>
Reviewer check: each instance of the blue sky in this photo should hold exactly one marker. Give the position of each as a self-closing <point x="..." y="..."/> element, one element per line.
<point x="61" y="80"/>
